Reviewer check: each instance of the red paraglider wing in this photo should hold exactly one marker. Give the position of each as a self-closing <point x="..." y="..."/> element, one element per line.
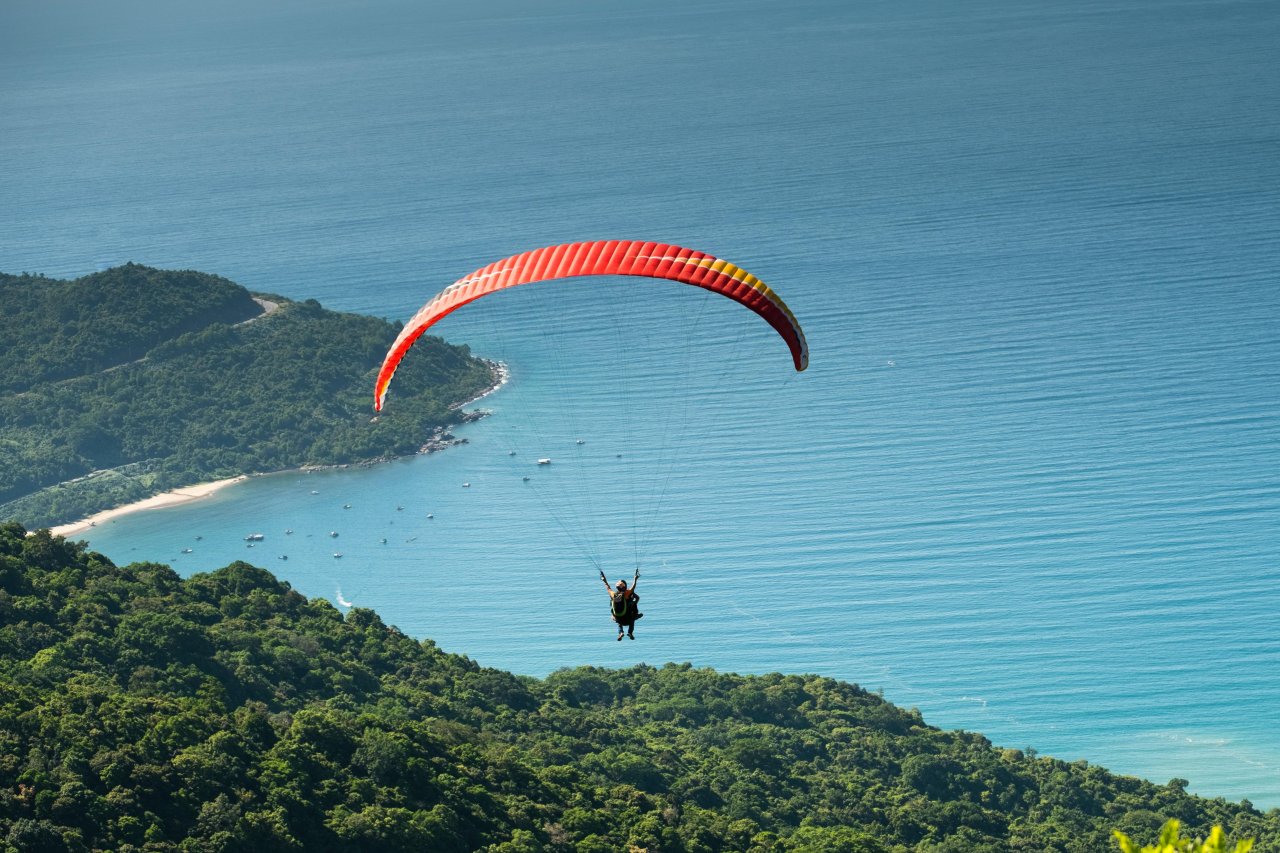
<point x="601" y="257"/>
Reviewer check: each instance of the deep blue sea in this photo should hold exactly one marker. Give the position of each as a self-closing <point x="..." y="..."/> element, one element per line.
<point x="1030" y="483"/>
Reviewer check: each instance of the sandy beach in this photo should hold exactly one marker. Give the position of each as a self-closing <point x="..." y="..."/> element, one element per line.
<point x="173" y="498"/>
<point x="501" y="374"/>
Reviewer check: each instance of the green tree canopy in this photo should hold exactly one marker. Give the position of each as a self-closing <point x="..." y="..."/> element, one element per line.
<point x="143" y="711"/>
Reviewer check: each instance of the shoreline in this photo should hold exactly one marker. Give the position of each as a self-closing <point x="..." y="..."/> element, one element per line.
<point x="176" y="497"/>
<point x="501" y="374"/>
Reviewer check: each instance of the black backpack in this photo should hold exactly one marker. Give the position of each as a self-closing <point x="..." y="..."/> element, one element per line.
<point x="624" y="605"/>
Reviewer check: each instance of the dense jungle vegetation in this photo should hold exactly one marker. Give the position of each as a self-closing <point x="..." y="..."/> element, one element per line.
<point x="143" y="711"/>
<point x="129" y="382"/>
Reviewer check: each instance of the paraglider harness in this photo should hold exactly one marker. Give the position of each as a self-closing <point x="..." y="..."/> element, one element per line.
<point x="624" y="608"/>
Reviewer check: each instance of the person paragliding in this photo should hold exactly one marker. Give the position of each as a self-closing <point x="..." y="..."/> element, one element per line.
<point x="639" y="259"/>
<point x="624" y="604"/>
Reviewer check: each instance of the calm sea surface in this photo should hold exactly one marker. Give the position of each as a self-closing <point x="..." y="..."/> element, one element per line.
<point x="1031" y="482"/>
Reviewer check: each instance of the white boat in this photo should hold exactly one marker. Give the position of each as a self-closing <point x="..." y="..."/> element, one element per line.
<point x="333" y="533"/>
<point x="544" y="461"/>
<point x="254" y="537"/>
<point x="580" y="441"/>
<point x="186" y="550"/>
<point x="337" y="554"/>
<point x="466" y="485"/>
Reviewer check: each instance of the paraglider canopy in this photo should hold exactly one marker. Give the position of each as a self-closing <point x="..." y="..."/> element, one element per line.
<point x="601" y="257"/>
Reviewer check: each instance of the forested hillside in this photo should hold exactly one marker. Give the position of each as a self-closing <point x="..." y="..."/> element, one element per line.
<point x="139" y="710"/>
<point x="58" y="329"/>
<point x="133" y="381"/>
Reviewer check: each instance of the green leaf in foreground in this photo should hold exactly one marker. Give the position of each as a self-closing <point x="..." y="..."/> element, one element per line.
<point x="1171" y="842"/>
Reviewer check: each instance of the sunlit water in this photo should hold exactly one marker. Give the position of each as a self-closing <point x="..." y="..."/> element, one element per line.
<point x="1031" y="482"/>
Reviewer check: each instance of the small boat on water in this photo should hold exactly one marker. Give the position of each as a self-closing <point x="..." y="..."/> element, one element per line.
<point x="283" y="557"/>
<point x="346" y="506"/>
<point x="337" y="555"/>
<point x="254" y="537"/>
<point x="186" y="550"/>
<point x="580" y="441"/>
<point x="431" y="515"/>
<point x="289" y="532"/>
<point x="526" y="479"/>
<point x="544" y="461"/>
<point x="333" y="533"/>
<point x="466" y="485"/>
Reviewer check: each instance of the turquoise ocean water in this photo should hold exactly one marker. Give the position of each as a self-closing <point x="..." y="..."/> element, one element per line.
<point x="1031" y="482"/>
